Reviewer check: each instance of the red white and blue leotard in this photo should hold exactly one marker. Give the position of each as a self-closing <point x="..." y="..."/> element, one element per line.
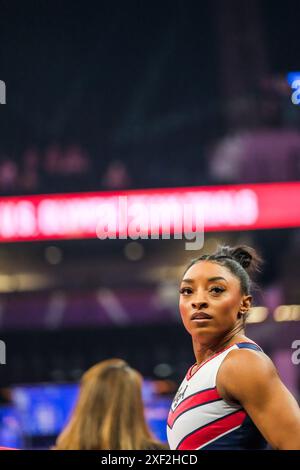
<point x="200" y="419"/>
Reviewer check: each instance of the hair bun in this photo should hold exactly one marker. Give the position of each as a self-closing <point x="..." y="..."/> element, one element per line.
<point x="243" y="256"/>
<point x="246" y="256"/>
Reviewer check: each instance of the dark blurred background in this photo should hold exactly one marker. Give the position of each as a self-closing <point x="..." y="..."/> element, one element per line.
<point x="132" y="95"/>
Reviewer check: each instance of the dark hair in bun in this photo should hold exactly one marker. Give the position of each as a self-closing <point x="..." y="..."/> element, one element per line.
<point x="242" y="261"/>
<point x="246" y="256"/>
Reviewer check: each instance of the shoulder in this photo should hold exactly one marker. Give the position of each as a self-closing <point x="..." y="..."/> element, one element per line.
<point x="245" y="372"/>
<point x="243" y="362"/>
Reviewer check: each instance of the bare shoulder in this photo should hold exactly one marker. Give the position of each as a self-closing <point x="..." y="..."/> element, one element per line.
<point x="247" y="359"/>
<point x="244" y="371"/>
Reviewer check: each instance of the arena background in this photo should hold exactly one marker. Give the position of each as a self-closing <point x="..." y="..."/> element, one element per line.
<point x="103" y="97"/>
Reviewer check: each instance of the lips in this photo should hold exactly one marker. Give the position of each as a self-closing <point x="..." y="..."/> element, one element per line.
<point x="201" y="316"/>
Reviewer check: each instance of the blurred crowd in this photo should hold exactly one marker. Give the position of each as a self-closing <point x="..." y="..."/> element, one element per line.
<point x="58" y="169"/>
<point x="246" y="157"/>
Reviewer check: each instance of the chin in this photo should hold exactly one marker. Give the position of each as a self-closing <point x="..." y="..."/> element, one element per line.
<point x="206" y="329"/>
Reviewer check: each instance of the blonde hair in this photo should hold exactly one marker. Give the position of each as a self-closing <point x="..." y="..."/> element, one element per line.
<point x="109" y="413"/>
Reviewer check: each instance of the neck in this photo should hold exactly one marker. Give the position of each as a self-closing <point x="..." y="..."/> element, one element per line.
<point x="204" y="349"/>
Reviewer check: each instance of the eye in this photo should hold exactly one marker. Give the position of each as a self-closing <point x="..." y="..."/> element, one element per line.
<point x="217" y="290"/>
<point x="185" y="290"/>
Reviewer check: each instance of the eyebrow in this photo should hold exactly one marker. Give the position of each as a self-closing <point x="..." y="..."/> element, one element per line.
<point x="216" y="278"/>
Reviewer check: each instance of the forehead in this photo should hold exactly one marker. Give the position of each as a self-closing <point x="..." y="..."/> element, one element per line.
<point x="204" y="270"/>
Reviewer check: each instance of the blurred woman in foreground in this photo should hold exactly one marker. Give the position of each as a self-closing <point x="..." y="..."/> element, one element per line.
<point x="109" y="413"/>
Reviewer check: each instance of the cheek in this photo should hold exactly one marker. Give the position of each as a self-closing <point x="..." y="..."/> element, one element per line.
<point x="228" y="307"/>
<point x="184" y="313"/>
<point x="183" y="308"/>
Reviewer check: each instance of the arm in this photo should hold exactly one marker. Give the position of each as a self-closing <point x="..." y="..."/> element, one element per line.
<point x="250" y="378"/>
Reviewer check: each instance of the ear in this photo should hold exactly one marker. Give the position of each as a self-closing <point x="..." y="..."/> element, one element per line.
<point x="246" y="303"/>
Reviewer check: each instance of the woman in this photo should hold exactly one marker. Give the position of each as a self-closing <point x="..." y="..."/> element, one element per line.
<point x="109" y="413"/>
<point x="232" y="397"/>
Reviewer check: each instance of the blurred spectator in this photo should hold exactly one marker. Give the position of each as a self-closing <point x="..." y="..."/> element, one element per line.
<point x="8" y="176"/>
<point x="116" y="176"/>
<point x="53" y="156"/>
<point x="225" y="160"/>
<point x="256" y="157"/>
<point x="31" y="171"/>
<point x="67" y="170"/>
<point x="109" y="414"/>
<point x="74" y="162"/>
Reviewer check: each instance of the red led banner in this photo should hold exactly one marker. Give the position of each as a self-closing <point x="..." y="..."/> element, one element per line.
<point x="77" y="215"/>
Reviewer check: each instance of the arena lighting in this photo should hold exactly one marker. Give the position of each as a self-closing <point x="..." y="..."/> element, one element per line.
<point x="287" y="313"/>
<point x="257" y="315"/>
<point x="76" y="215"/>
<point x="22" y="282"/>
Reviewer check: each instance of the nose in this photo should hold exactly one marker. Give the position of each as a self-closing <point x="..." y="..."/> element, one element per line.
<point x="199" y="305"/>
